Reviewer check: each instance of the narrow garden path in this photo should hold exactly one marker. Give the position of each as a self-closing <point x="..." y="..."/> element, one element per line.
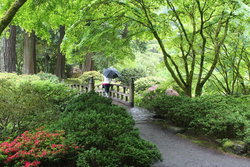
<point x="179" y="152"/>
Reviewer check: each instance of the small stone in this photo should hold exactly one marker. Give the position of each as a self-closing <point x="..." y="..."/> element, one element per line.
<point x="239" y="148"/>
<point x="175" y="129"/>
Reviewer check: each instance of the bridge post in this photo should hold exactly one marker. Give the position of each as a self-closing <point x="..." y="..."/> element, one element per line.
<point x="131" y="93"/>
<point x="91" y="84"/>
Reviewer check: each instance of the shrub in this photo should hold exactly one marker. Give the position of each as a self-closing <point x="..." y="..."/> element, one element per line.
<point x="84" y="78"/>
<point x="35" y="149"/>
<point x="28" y="104"/>
<point x="129" y="73"/>
<point x="16" y="79"/>
<point x="144" y="83"/>
<point x="107" y="133"/>
<point x="48" y="76"/>
<point x="129" y="152"/>
<point x="73" y="81"/>
<point x="89" y="100"/>
<point x="218" y="116"/>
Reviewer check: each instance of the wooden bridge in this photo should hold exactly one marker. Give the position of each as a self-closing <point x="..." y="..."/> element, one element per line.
<point x="118" y="93"/>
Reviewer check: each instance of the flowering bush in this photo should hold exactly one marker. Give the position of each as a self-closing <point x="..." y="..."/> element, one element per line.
<point x="172" y="92"/>
<point x="34" y="149"/>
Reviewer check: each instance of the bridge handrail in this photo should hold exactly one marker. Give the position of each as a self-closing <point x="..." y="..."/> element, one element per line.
<point x="122" y="93"/>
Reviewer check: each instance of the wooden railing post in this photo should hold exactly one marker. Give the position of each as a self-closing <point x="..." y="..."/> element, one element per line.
<point x="131" y="93"/>
<point x="91" y="84"/>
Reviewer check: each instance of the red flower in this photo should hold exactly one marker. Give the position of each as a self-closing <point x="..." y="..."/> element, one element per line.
<point x="29" y="164"/>
<point x="32" y="148"/>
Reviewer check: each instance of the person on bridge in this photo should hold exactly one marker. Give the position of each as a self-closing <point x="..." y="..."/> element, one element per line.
<point x="106" y="85"/>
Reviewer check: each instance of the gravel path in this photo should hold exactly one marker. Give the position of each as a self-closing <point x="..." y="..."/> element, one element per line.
<point x="179" y="152"/>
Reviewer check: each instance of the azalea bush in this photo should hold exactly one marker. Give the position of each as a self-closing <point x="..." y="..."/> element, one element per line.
<point x="41" y="148"/>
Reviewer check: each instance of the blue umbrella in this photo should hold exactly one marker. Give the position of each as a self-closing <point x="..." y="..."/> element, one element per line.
<point x="111" y="73"/>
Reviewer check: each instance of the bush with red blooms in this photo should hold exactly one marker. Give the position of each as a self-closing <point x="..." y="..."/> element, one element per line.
<point x="34" y="149"/>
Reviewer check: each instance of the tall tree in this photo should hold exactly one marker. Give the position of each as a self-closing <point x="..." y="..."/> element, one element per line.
<point x="10" y="13"/>
<point x="29" y="59"/>
<point x="190" y="34"/>
<point x="89" y="62"/>
<point x="8" y="53"/>
<point x="232" y="72"/>
<point x="60" y="62"/>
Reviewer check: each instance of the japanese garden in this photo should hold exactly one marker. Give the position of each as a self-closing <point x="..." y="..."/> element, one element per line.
<point x="124" y="83"/>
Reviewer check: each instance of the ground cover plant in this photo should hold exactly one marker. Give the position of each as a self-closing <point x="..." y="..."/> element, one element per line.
<point x="221" y="117"/>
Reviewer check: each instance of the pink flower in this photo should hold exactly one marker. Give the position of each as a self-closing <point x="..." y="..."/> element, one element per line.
<point x="44" y="153"/>
<point x="172" y="92"/>
<point x="152" y="88"/>
<point x="36" y="142"/>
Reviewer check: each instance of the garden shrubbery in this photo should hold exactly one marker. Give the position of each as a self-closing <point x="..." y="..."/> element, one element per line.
<point x="128" y="73"/>
<point x="217" y="116"/>
<point x="105" y="133"/>
<point x="26" y="102"/>
<point x="85" y="130"/>
<point x="144" y="83"/>
<point x="38" y="148"/>
<point x="85" y="77"/>
<point x="48" y="76"/>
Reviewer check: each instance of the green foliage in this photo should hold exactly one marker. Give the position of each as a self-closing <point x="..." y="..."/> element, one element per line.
<point x="144" y="83"/>
<point x="129" y="152"/>
<point x="26" y="104"/>
<point x="48" y="76"/>
<point x="87" y="75"/>
<point x="128" y="73"/>
<point x="87" y="101"/>
<point x="105" y="132"/>
<point x="218" y="116"/>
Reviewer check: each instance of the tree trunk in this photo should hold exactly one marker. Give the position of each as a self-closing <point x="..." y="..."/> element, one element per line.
<point x="60" y="61"/>
<point x="8" y="52"/>
<point x="2" y="44"/>
<point x="9" y="14"/>
<point x="198" y="90"/>
<point x="29" y="60"/>
<point x="89" y="63"/>
<point x="188" y="90"/>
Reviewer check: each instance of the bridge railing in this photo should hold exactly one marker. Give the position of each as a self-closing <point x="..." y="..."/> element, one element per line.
<point x="81" y="88"/>
<point x="119" y="93"/>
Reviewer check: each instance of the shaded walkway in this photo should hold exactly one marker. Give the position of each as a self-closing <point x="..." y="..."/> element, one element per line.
<point x="179" y="152"/>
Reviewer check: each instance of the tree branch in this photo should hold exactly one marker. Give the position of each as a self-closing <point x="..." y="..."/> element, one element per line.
<point x="10" y="13"/>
